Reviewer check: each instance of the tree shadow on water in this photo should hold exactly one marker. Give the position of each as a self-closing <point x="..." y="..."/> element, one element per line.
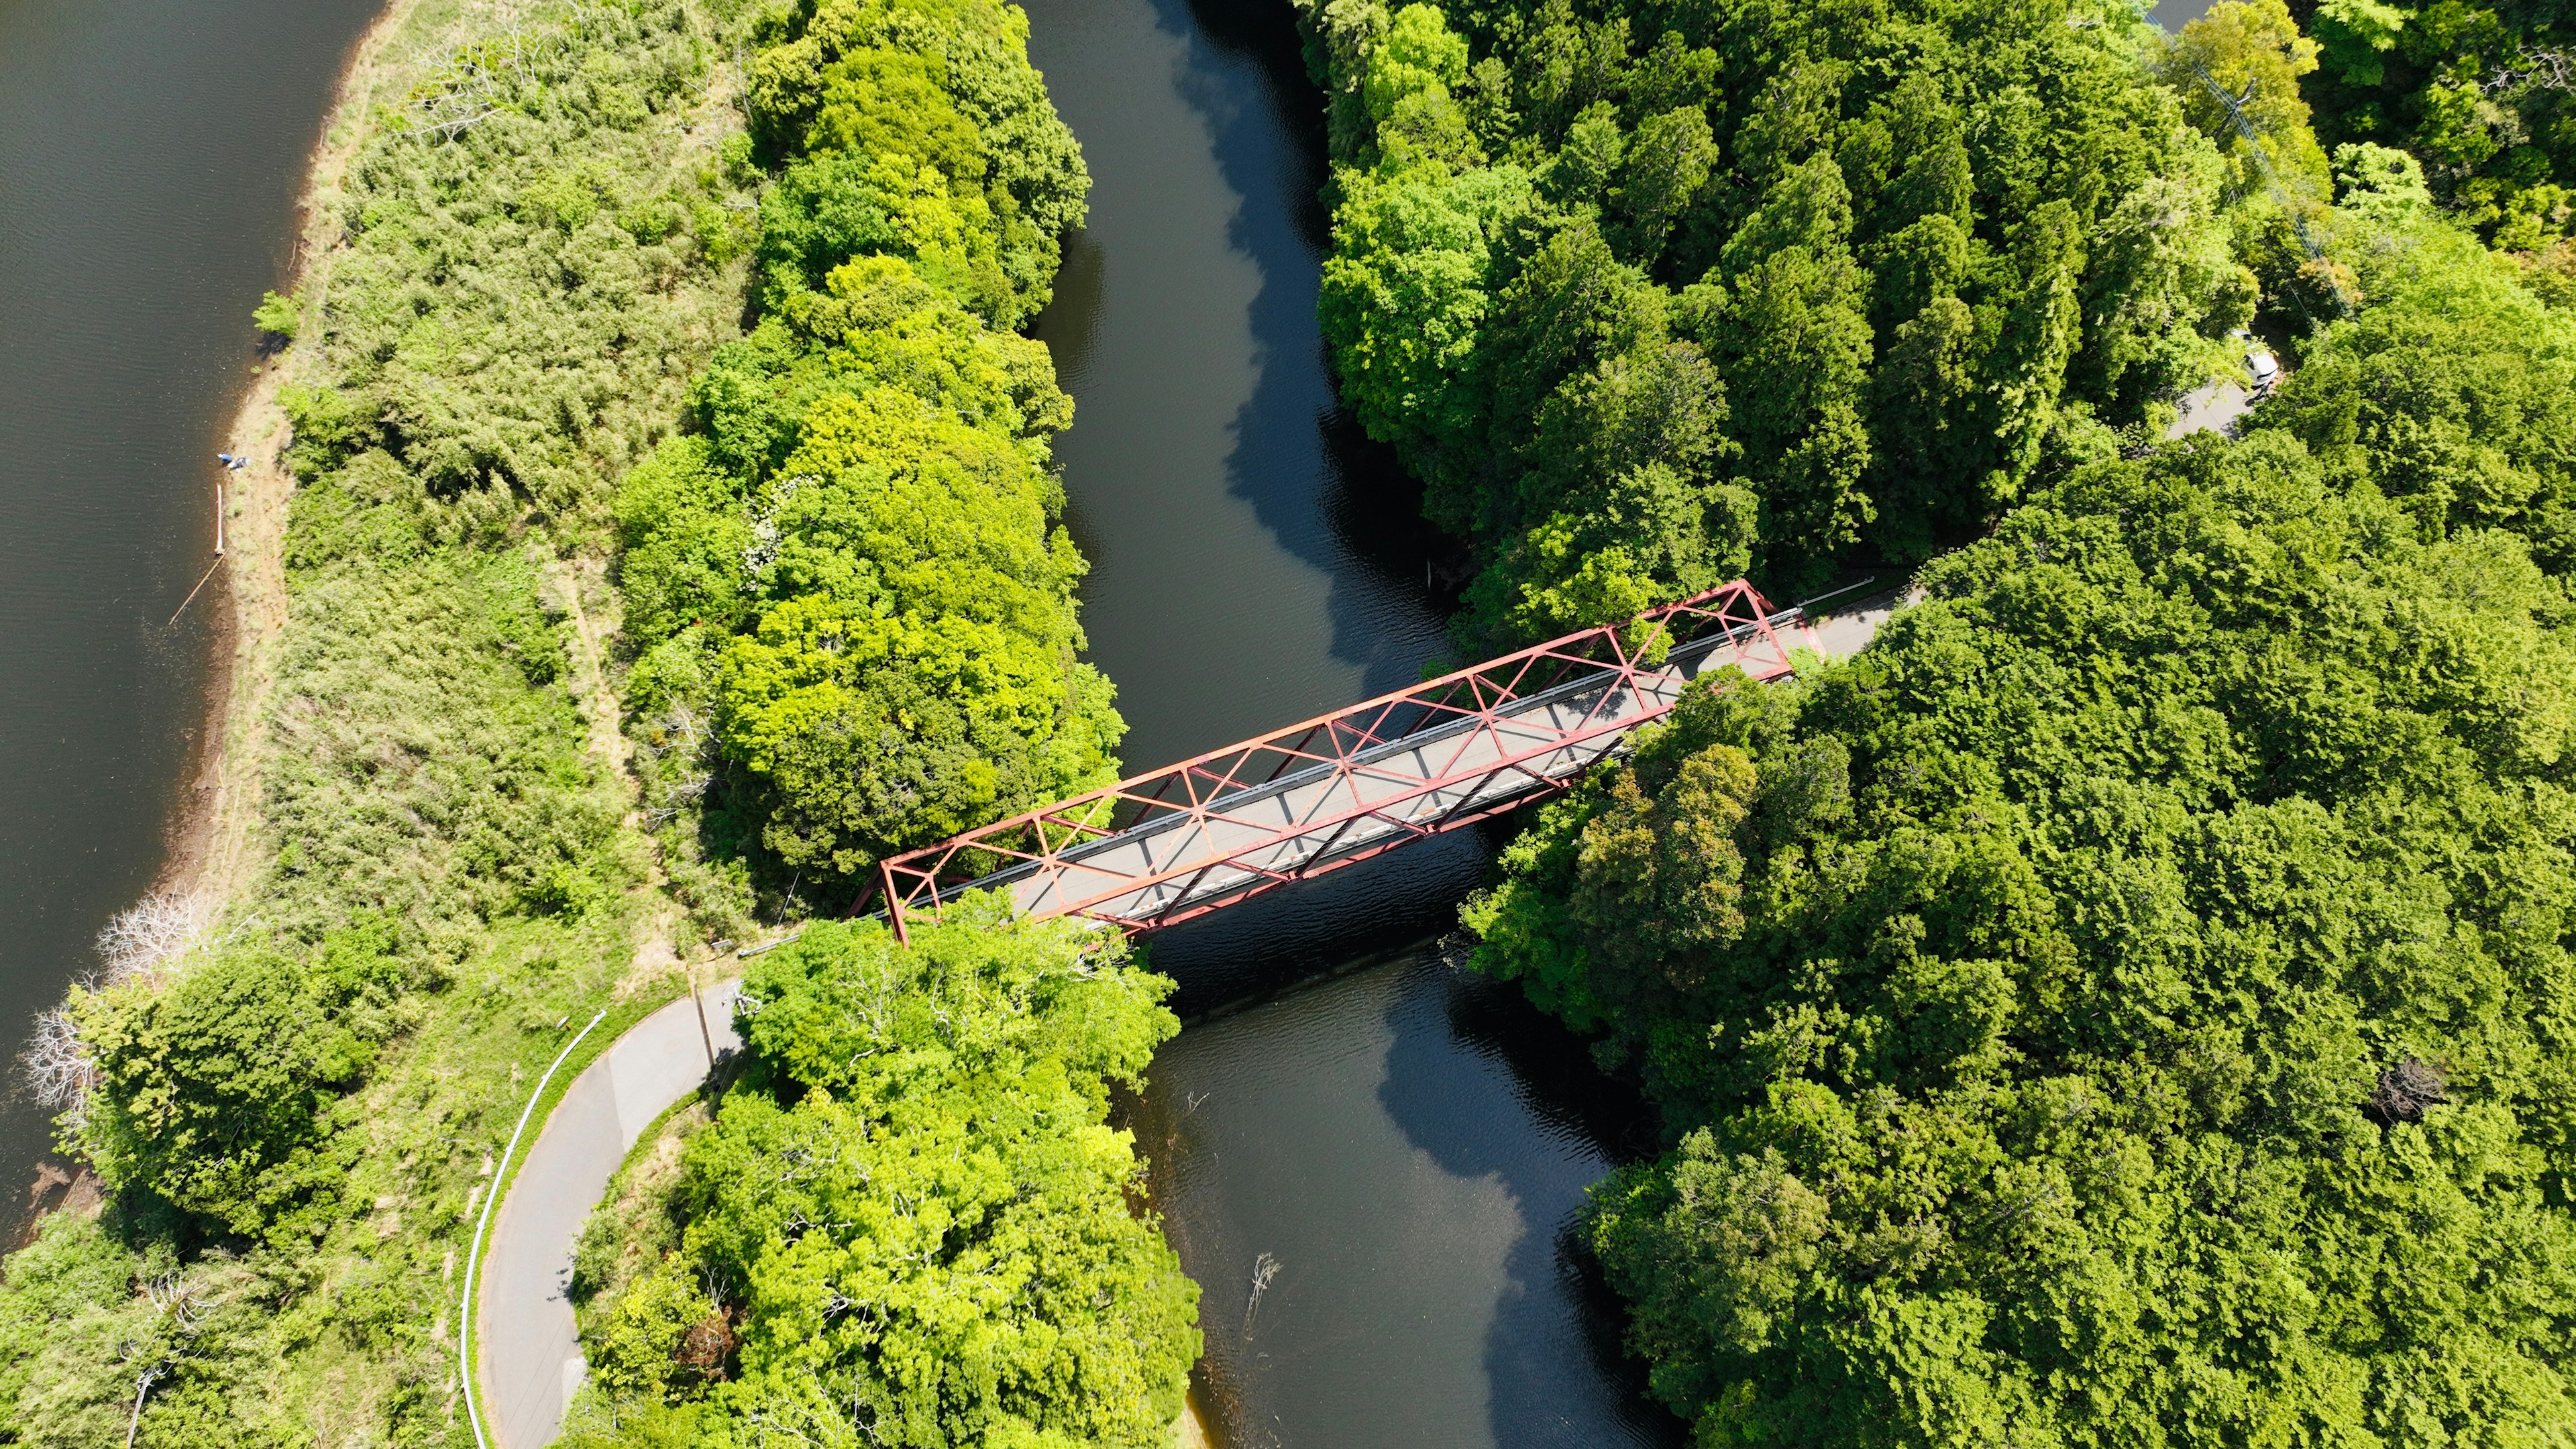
<point x="1323" y="926"/>
<point x="1487" y="1086"/>
<point x="1331" y="497"/>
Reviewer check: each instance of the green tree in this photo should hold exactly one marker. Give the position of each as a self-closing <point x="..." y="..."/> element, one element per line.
<point x="277" y="316"/>
<point x="912" y="672"/>
<point x="221" y="1093"/>
<point x="1406" y="294"/>
<point x="2253" y="52"/>
<point x="1934" y="254"/>
<point x="933" y="1243"/>
<point x="2120" y="1006"/>
<point x="2454" y="388"/>
<point x="2477" y="94"/>
<point x="947" y="88"/>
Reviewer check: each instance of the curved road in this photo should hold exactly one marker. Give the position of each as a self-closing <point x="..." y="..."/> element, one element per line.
<point x="528" y="1357"/>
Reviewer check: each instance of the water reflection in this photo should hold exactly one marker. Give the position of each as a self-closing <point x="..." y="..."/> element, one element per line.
<point x="1254" y="562"/>
<point x="1406" y="1149"/>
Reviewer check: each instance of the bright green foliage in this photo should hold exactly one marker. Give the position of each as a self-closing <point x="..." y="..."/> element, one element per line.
<point x="277" y="316"/>
<point x="82" y="1316"/>
<point x="2253" y="52"/>
<point x="2453" y="390"/>
<point x="924" y="602"/>
<point x="295" y="1119"/>
<point x="1654" y="294"/>
<point x="510" y="318"/>
<point x="926" y="115"/>
<point x="924" y="1229"/>
<point x="2131" y="1004"/>
<point x="844" y="203"/>
<point x="2482" y="95"/>
<point x="1406" y="292"/>
<point x="680" y="519"/>
<point x="851" y="602"/>
<point x="637" y="1351"/>
<point x="1415" y="67"/>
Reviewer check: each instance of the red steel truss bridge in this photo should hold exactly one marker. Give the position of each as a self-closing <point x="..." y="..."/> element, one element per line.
<point x="1201" y="835"/>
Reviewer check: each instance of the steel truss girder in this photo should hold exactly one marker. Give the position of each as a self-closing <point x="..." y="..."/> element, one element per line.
<point x="1190" y="838"/>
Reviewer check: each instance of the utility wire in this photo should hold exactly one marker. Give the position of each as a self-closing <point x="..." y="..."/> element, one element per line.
<point x="2235" y="108"/>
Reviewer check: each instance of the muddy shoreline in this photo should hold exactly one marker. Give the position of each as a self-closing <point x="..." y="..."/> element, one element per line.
<point x="209" y="834"/>
<point x="208" y="840"/>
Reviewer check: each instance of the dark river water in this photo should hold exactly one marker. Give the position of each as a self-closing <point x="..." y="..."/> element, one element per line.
<point x="151" y="152"/>
<point x="1395" y="1152"/>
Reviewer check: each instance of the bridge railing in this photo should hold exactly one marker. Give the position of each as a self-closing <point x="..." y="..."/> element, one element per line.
<point x="1445" y="729"/>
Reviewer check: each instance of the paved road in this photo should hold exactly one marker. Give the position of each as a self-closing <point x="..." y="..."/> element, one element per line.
<point x="2211" y="408"/>
<point x="530" y="1357"/>
<point x="1847" y="628"/>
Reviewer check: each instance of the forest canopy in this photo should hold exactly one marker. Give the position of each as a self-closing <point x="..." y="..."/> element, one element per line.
<point x="850" y="592"/>
<point x="2452" y="386"/>
<point x="524" y="415"/>
<point x="2483" y="97"/>
<point x="850" y="605"/>
<point x="292" y="1095"/>
<point x="2129" y="1004"/>
<point x="1652" y="295"/>
<point x="918" y="1219"/>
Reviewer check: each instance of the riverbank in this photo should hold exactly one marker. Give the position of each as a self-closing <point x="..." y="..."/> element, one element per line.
<point x="151" y="156"/>
<point x="208" y="853"/>
<point x="416" y="850"/>
<point x="211" y="840"/>
<point x="427" y="857"/>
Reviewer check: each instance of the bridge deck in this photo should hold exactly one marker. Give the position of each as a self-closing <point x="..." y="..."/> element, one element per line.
<point x="1188" y="839"/>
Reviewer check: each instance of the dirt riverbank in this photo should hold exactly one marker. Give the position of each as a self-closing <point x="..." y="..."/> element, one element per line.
<point x="213" y="832"/>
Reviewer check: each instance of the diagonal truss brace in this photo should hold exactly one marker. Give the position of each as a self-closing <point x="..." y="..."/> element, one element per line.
<point x="1194" y="837"/>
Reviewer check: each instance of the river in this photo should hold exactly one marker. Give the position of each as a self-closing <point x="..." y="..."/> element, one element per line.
<point x="1404" y="1147"/>
<point x="1393" y="1151"/>
<point x="151" y="154"/>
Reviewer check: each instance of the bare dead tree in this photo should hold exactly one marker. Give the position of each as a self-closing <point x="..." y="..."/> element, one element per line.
<point x="139" y="941"/>
<point x="1264" y="1269"/>
<point x="474" y="83"/>
<point x="684" y="746"/>
<point x="175" y="1298"/>
<point x="59" y="1068"/>
<point x="151" y="933"/>
<point x="2406" y="1089"/>
<point x="143" y="1383"/>
<point x="2547" y="70"/>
